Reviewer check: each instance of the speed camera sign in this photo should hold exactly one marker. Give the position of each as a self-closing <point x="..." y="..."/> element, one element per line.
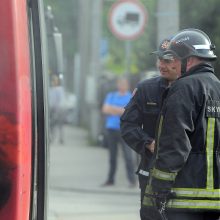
<point x="127" y="19"/>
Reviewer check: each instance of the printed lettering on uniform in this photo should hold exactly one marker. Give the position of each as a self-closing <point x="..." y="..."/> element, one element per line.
<point x="152" y="103"/>
<point x="213" y="109"/>
<point x="182" y="39"/>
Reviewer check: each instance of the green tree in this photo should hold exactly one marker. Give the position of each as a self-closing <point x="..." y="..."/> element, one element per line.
<point x="141" y="47"/>
<point x="66" y="20"/>
<point x="204" y="15"/>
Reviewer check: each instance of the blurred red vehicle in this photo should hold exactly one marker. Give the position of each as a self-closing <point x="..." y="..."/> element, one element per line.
<point x="23" y="151"/>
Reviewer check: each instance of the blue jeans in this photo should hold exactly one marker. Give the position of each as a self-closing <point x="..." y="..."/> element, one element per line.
<point x="113" y="138"/>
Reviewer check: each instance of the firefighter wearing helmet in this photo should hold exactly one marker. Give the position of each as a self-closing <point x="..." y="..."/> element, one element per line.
<point x="185" y="176"/>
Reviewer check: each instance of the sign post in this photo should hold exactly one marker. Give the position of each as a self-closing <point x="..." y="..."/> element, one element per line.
<point x="127" y="20"/>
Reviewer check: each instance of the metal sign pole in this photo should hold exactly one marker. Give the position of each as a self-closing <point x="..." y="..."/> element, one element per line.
<point x="127" y="58"/>
<point x="127" y="21"/>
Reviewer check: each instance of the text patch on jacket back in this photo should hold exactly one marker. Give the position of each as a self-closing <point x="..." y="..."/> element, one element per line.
<point x="213" y="109"/>
<point x="152" y="107"/>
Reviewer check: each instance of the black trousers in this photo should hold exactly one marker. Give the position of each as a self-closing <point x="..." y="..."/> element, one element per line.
<point x="113" y="139"/>
<point x="152" y="214"/>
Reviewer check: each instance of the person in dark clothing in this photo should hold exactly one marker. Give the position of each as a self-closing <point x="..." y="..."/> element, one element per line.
<point x="138" y="122"/>
<point x="185" y="176"/>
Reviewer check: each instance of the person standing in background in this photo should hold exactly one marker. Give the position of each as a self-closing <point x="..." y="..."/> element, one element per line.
<point x="56" y="101"/>
<point x="113" y="108"/>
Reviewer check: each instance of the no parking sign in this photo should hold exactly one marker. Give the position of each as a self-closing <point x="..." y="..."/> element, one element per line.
<point x="127" y="19"/>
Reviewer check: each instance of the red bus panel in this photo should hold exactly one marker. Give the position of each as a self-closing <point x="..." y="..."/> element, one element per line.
<point x="15" y="111"/>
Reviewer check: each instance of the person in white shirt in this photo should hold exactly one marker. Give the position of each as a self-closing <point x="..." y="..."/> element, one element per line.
<point x="56" y="100"/>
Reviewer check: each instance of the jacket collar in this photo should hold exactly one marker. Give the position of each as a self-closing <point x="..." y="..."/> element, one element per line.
<point x="200" y="68"/>
<point x="163" y="83"/>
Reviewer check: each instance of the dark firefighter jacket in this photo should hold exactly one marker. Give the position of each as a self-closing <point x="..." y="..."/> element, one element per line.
<point x="187" y="158"/>
<point x="138" y="122"/>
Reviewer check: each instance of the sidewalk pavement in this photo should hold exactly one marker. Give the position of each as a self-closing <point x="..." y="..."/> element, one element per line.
<point x="76" y="172"/>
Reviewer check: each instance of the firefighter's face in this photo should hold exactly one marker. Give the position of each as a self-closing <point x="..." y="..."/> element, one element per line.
<point x="169" y="69"/>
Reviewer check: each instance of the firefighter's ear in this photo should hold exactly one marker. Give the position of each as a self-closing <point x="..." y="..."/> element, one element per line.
<point x="192" y="61"/>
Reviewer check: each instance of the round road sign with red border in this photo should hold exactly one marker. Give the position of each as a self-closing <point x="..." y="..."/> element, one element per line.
<point x="127" y="19"/>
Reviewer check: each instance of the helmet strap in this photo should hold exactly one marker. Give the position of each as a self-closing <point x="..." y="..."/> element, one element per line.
<point x="183" y="66"/>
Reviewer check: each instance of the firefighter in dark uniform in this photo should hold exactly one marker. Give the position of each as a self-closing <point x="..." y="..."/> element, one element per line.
<point x="138" y="122"/>
<point x="184" y="180"/>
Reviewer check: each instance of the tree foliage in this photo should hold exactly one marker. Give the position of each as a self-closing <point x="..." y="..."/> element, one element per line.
<point x="65" y="18"/>
<point x="140" y="47"/>
<point x="204" y="15"/>
<point x="201" y="14"/>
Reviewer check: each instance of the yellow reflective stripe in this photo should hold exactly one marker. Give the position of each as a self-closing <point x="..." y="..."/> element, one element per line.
<point x="210" y="152"/>
<point x="194" y="204"/>
<point x="148" y="189"/>
<point x="158" y="134"/>
<point x="187" y="204"/>
<point x="197" y="193"/>
<point x="159" y="128"/>
<point x="147" y="201"/>
<point x="158" y="174"/>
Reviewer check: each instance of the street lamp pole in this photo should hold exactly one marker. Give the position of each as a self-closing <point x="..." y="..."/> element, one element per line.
<point x="95" y="67"/>
<point x="128" y="58"/>
<point x="168" y="18"/>
<point x="84" y="39"/>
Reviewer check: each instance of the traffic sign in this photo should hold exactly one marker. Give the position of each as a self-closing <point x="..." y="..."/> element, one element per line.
<point x="127" y="19"/>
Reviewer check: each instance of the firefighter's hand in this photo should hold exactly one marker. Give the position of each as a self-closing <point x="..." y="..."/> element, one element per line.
<point x="151" y="146"/>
